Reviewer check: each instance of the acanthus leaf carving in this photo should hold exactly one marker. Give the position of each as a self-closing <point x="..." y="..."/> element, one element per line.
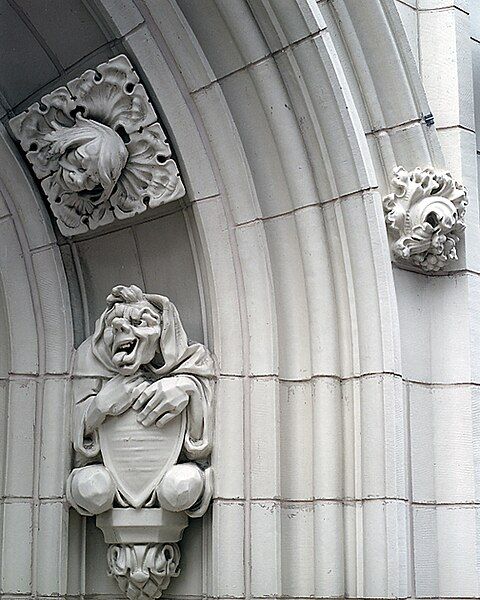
<point x="98" y="149"/>
<point x="425" y="216"/>
<point x="143" y="571"/>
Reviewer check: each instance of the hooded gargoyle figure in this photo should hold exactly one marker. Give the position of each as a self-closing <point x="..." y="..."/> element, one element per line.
<point x="142" y="420"/>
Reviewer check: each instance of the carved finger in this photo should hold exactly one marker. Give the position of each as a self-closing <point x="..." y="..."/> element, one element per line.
<point x="148" y="408"/>
<point x="139" y="389"/>
<point x="144" y="397"/>
<point x="160" y="409"/>
<point x="151" y="417"/>
<point x="165" y="419"/>
<point x="166" y="407"/>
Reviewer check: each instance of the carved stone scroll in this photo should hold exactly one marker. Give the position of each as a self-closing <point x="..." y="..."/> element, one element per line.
<point x="98" y="149"/>
<point x="424" y="215"/>
<point x="142" y="430"/>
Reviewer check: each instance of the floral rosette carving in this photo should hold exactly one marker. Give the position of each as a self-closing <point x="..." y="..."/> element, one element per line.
<point x="425" y="216"/>
<point x="98" y="149"/>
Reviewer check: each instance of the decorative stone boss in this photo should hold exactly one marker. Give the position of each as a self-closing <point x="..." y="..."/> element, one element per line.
<point x="425" y="217"/>
<point x="98" y="149"/>
<point x="142" y="433"/>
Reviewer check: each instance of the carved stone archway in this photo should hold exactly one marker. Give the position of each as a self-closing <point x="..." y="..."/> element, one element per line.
<point x="37" y="345"/>
<point x="286" y="129"/>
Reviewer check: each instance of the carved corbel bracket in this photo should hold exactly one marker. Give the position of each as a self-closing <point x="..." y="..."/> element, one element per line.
<point x="143" y="554"/>
<point x="98" y="149"/>
<point x="424" y="215"/>
<point x="142" y="431"/>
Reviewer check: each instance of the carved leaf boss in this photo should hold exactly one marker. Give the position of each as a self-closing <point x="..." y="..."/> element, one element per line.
<point x="142" y="431"/>
<point x="424" y="215"/>
<point x="98" y="149"/>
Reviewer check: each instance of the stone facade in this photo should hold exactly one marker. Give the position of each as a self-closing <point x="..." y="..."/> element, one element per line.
<point x="346" y="412"/>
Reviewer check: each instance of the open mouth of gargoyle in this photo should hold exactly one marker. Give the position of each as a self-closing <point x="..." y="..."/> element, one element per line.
<point x="124" y="348"/>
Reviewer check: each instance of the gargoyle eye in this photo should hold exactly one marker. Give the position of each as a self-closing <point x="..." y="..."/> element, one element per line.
<point x="136" y="322"/>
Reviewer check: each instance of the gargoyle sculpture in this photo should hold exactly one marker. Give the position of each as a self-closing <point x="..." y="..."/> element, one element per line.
<point x="142" y="434"/>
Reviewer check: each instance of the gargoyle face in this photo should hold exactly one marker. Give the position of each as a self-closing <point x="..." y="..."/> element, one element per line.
<point x="77" y="173"/>
<point x="90" y="155"/>
<point x="132" y="334"/>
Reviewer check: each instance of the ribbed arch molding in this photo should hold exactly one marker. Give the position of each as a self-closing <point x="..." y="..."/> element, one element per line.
<point x="36" y="347"/>
<point x="272" y="110"/>
<point x="271" y="122"/>
<point x="284" y="125"/>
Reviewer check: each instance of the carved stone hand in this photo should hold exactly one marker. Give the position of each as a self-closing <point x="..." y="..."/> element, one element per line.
<point x="163" y="400"/>
<point x="115" y="397"/>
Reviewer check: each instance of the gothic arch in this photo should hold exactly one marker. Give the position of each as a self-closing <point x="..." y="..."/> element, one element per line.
<point x="37" y="343"/>
<point x="285" y="130"/>
<point x="308" y="117"/>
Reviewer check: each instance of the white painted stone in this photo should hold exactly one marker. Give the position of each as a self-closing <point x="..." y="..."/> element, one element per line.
<point x="16" y="548"/>
<point x="193" y="561"/>
<point x="98" y="150"/>
<point x="291" y="309"/>
<point x="334" y="112"/>
<point x="142" y="396"/>
<point x="265" y="464"/>
<point x="18" y="302"/>
<point x="55" y="444"/>
<point x="425" y="216"/>
<point x="3" y="432"/>
<point x="374" y="422"/>
<point x="474" y="10"/>
<point x="383" y="76"/>
<point x="445" y="550"/>
<point x="285" y="24"/>
<point x="266" y="548"/>
<point x="222" y="281"/>
<point x="359" y="216"/>
<point x="464" y="5"/>
<point x="475" y="47"/>
<point x="260" y="141"/>
<point x="409" y="143"/>
<point x="170" y="237"/>
<point x="228" y="543"/>
<point x="235" y="30"/>
<point x="298" y="550"/>
<point x="121" y="15"/>
<point x="329" y="548"/>
<point x="459" y="147"/>
<point x="225" y="142"/>
<point x="228" y="452"/>
<point x="314" y="472"/>
<point x="197" y="174"/>
<point x="296" y="440"/>
<point x="319" y="290"/>
<point x="446" y="67"/>
<point x="51" y="535"/>
<point x="408" y="14"/>
<point x="181" y="39"/>
<point x="442" y="444"/>
<point x="54" y="306"/>
<point x="20" y="438"/>
<point x="17" y="182"/>
<point x="327" y="418"/>
<point x="260" y="298"/>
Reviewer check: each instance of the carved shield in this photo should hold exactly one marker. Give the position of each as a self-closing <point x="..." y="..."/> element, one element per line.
<point x="137" y="456"/>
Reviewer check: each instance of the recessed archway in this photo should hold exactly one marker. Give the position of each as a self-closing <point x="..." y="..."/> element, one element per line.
<point x="284" y="130"/>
